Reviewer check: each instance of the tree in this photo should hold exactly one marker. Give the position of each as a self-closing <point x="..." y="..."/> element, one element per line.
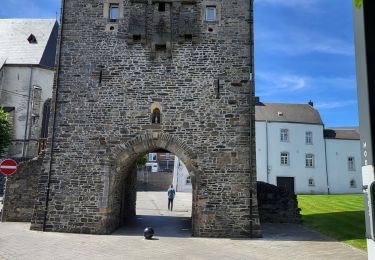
<point x="358" y="3"/>
<point x="5" y="131"/>
<point x="141" y="162"/>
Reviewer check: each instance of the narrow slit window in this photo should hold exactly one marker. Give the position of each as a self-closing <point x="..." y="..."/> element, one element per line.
<point x="114" y="12"/>
<point x="161" y="7"/>
<point x="210" y="13"/>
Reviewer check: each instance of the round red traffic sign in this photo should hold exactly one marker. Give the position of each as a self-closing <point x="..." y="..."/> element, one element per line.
<point x="8" y="167"/>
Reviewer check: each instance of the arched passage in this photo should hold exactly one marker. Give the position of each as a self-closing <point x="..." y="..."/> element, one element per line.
<point x="122" y="191"/>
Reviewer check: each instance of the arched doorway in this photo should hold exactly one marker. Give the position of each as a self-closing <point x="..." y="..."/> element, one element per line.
<point x="122" y="193"/>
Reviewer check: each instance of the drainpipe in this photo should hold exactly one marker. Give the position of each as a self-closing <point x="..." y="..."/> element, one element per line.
<point x="55" y="98"/>
<point x="2" y="78"/>
<point x="252" y="107"/>
<point x="268" y="178"/>
<point x="325" y="154"/>
<point x="27" y="112"/>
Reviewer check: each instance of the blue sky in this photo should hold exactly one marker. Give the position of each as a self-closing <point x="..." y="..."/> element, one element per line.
<point x="304" y="49"/>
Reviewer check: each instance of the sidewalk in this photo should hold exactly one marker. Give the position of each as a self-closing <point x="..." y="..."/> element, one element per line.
<point x="172" y="239"/>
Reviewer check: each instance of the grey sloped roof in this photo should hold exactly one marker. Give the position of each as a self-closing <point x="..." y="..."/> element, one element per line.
<point x="282" y="112"/>
<point x="342" y="133"/>
<point x="15" y="48"/>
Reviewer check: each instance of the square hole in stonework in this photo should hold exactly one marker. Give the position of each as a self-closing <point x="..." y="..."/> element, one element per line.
<point x="161" y="7"/>
<point x="136" y="37"/>
<point x="160" y="47"/>
<point x="188" y="37"/>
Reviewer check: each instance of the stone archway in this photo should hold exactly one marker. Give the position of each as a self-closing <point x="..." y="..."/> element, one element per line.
<point x="121" y="191"/>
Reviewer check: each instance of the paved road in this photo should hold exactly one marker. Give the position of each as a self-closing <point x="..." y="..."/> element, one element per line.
<point x="172" y="240"/>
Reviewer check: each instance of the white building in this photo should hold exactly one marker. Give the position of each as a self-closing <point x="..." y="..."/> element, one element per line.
<point x="27" y="58"/>
<point x="294" y="150"/>
<point x="181" y="177"/>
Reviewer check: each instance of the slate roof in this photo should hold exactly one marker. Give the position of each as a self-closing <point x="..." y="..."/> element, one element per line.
<point x="341" y="133"/>
<point x="16" y="49"/>
<point x="282" y="112"/>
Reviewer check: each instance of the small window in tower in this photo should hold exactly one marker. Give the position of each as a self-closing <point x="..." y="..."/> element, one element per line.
<point x="136" y="37"/>
<point x="32" y="39"/>
<point x="188" y="37"/>
<point x="210" y="13"/>
<point x="114" y="12"/>
<point x="160" y="47"/>
<point x="161" y="7"/>
<point x="155" y="119"/>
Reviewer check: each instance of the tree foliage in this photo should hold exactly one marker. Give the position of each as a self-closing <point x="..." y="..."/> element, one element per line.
<point x="358" y="3"/>
<point x="5" y="131"/>
<point x="142" y="161"/>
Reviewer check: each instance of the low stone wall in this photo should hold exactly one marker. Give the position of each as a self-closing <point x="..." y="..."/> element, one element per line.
<point x="154" y="181"/>
<point x="21" y="191"/>
<point x="276" y="205"/>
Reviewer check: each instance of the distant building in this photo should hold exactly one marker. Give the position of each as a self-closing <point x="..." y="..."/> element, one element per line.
<point x="181" y="177"/>
<point x="27" y="58"/>
<point x="295" y="151"/>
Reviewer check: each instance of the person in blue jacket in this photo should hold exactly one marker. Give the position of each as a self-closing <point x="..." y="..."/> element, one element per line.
<point x="171" y="193"/>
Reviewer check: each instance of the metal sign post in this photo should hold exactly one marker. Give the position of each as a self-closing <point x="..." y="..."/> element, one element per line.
<point x="364" y="21"/>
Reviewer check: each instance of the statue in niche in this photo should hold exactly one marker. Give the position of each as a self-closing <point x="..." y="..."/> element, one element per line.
<point x="155" y="118"/>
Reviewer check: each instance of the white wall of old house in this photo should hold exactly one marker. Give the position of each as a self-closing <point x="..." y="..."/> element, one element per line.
<point x="340" y="176"/>
<point x="269" y="148"/>
<point x="180" y="177"/>
<point x="15" y="85"/>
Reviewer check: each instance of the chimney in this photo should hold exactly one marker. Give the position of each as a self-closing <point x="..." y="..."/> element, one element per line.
<point x="311" y="103"/>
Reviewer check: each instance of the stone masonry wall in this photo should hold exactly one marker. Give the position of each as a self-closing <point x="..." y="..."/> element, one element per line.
<point x="276" y="205"/>
<point x="21" y="191"/>
<point x="154" y="181"/>
<point x="113" y="74"/>
<point x="2" y="181"/>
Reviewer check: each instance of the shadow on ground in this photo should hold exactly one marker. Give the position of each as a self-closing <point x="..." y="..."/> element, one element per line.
<point x="164" y="226"/>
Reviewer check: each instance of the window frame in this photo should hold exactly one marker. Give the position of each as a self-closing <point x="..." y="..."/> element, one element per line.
<point x="151" y="157"/>
<point x="312" y="159"/>
<point x="309" y="139"/>
<point x="284" y="132"/>
<point x="284" y="158"/>
<point x="353" y="183"/>
<point x="351" y="164"/>
<point x="207" y="8"/>
<point x="110" y="8"/>
<point x="311" y="182"/>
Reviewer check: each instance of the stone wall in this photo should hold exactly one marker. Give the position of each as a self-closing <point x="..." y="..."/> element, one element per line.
<point x="276" y="205"/>
<point x="154" y="181"/>
<point x="113" y="75"/>
<point x="21" y="191"/>
<point x="2" y="182"/>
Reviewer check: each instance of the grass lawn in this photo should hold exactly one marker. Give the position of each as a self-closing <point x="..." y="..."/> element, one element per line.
<point x="338" y="216"/>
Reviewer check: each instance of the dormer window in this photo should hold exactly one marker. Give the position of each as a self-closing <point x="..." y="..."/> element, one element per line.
<point x="32" y="39"/>
<point x="114" y="12"/>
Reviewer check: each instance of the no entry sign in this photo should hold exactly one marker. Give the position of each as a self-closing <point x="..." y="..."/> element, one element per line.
<point x="8" y="167"/>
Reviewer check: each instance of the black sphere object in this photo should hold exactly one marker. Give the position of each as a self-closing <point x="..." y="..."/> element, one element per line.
<point x="148" y="232"/>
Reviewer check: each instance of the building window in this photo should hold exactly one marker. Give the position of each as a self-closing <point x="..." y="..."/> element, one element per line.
<point x="152" y="157"/>
<point x="210" y="13"/>
<point x="309" y="161"/>
<point x="188" y="180"/>
<point x="161" y="7"/>
<point x="353" y="184"/>
<point x="309" y="138"/>
<point x="155" y="117"/>
<point x="114" y="12"/>
<point x="284" y="158"/>
<point x="311" y="182"/>
<point x="284" y="135"/>
<point x="32" y="39"/>
<point x="351" y="163"/>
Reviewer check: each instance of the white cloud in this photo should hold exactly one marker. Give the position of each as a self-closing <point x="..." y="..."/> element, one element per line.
<point x="306" y="4"/>
<point x="335" y="104"/>
<point x="293" y="41"/>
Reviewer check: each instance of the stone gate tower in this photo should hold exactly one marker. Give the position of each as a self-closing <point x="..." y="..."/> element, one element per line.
<point x="136" y="76"/>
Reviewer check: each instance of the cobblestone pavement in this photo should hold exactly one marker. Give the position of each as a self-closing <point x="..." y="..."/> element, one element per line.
<point x="172" y="239"/>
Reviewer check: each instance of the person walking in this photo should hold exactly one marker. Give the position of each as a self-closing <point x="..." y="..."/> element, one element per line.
<point x="171" y="193"/>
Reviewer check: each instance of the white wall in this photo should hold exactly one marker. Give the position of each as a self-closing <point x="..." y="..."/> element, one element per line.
<point x="180" y="175"/>
<point x="17" y="79"/>
<point x="340" y="176"/>
<point x="297" y="148"/>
